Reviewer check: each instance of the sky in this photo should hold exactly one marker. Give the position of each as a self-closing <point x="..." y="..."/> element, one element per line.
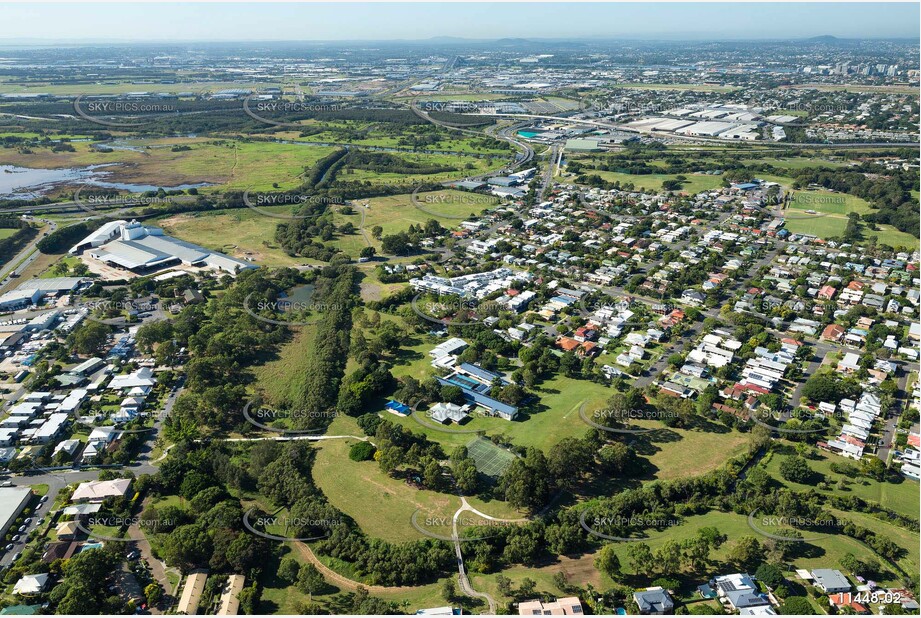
<point x="252" y="21"/>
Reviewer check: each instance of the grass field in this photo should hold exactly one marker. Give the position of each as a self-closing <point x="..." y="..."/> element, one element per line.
<point x="395" y="213"/>
<point x="6" y="232"/>
<point x="279" y="378"/>
<point x="281" y="598"/>
<point x="824" y="552"/>
<point x="829" y="202"/>
<point x="239" y="232"/>
<point x="888" y="235"/>
<point x="461" y="167"/>
<point x="254" y="233"/>
<point x="223" y="163"/>
<point x="69" y="260"/>
<point x="369" y="134"/>
<point x="579" y="571"/>
<point x="902" y="497"/>
<point x="668" y="449"/>
<point x="694" y="184"/>
<point x="823" y="227"/>
<point x="906" y="539"/>
<point x="382" y="506"/>
<point x="795" y="163"/>
<point x="834" y="225"/>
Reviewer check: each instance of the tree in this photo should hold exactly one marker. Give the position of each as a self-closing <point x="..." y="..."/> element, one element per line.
<point x="526" y="589"/>
<point x="431" y="474"/>
<point x="367" y="252"/>
<point x="289" y="569"/>
<point x="829" y="388"/>
<point x="249" y="598"/>
<point x="607" y="561"/>
<point x="668" y="557"/>
<point x="696" y="552"/>
<point x="795" y="469"/>
<point x="466" y="476"/>
<point x="671" y="184"/>
<point x="397" y="244"/>
<point x="188" y="547"/>
<point x="617" y="458"/>
<point x="527" y="482"/>
<point x="310" y="580"/>
<point x="641" y="559"/>
<point x="153" y="593"/>
<point x="746" y="552"/>
<point x="666" y="583"/>
<point x="770" y="575"/>
<point x="90" y="338"/>
<point x="796" y="606"/>
<point x="569" y="459"/>
<point x="504" y="585"/>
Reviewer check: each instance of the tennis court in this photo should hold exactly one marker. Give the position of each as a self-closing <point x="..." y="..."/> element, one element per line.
<point x="488" y="458"/>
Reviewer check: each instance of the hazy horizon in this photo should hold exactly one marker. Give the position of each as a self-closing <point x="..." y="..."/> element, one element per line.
<point x="97" y="23"/>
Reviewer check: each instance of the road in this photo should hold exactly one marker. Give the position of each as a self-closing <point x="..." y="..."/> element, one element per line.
<point x="26" y="256"/>
<point x="526" y="154"/>
<point x="464" y="581"/>
<point x="56" y="481"/>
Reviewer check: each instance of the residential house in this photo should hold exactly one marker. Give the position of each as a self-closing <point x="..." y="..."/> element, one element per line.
<point x="654" y="601"/>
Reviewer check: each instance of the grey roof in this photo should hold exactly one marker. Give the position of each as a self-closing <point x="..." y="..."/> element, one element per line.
<point x="745" y="598"/>
<point x="53" y="284"/>
<point x="657" y="601"/>
<point x="830" y="579"/>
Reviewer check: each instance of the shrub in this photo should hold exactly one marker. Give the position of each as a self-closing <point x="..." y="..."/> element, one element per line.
<point x="361" y="451"/>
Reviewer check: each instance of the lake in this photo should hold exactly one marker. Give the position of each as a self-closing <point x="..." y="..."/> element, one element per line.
<point x="27" y="183"/>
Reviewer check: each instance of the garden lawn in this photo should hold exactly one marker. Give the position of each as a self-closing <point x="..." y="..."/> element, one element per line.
<point x="382" y="506"/>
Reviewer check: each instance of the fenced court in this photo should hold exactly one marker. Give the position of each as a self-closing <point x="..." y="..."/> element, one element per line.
<point x="489" y="459"/>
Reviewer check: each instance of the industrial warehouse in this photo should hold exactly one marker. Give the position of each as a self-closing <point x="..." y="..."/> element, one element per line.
<point x="140" y="249"/>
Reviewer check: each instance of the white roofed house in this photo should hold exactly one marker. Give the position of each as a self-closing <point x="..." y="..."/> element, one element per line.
<point x="31" y="585"/>
<point x="97" y="491"/>
<point x="443" y="411"/>
<point x="142" y="378"/>
<point x="452" y="346"/>
<point x="850" y="363"/>
<point x="97" y="442"/>
<point x="68" y="447"/>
